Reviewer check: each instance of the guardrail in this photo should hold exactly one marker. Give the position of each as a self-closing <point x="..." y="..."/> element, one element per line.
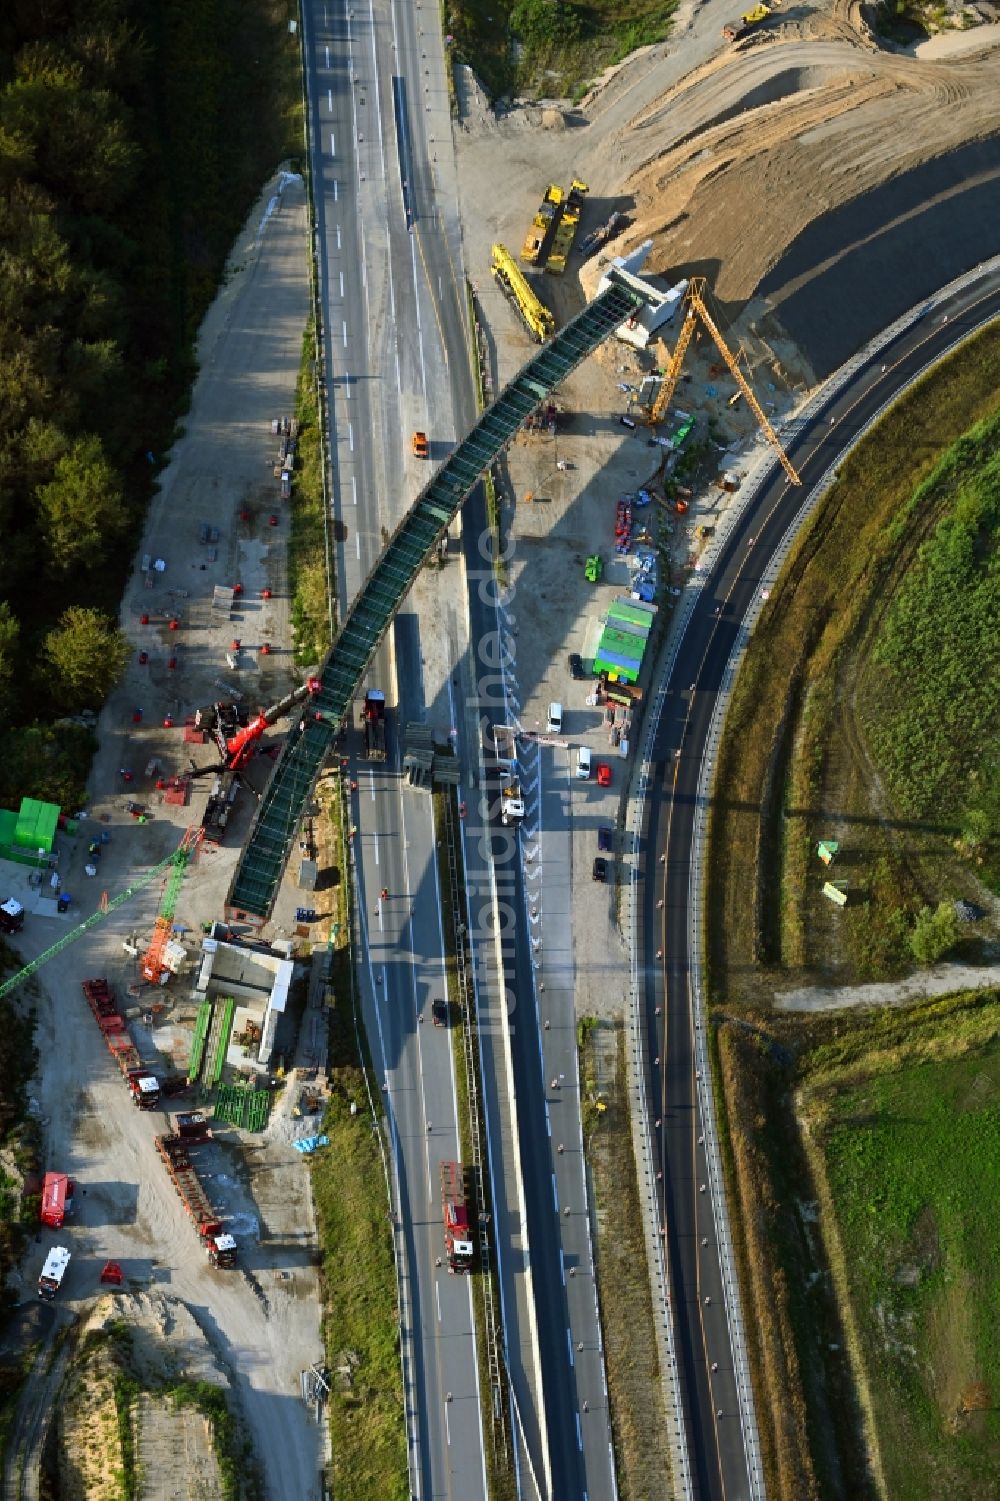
<point x="756" y="476"/>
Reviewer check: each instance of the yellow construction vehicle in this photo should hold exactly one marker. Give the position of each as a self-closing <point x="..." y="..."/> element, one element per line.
<point x="695" y="308"/>
<point x="513" y="284"/>
<point x="749" y="19"/>
<point x="565" y="234"/>
<point x="543" y="227"/>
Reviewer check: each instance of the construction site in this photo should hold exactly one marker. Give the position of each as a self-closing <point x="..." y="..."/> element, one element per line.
<point x="699" y="167"/>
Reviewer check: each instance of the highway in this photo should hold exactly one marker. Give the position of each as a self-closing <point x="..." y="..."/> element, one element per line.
<point x="386" y="236"/>
<point x="707" y="1369"/>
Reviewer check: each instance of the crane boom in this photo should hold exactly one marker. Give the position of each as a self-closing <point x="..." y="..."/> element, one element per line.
<point x="671" y="375"/>
<point x="696" y="308"/>
<point x="31" y="968"/>
<point x="153" y="967"/>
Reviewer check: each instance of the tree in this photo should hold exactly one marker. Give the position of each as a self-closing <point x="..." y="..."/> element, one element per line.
<point x="935" y="931"/>
<point x="86" y="654"/>
<point x="82" y="508"/>
<point x="10" y="631"/>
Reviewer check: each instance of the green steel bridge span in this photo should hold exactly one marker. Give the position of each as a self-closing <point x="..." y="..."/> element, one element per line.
<point x="268" y="845"/>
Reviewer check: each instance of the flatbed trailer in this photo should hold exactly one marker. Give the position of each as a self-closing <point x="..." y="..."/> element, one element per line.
<point x="219" y="1245"/>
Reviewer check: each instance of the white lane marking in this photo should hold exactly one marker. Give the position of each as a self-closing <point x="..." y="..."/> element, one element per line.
<point x="447" y="1425"/>
<point x="329" y="98"/>
<point x="432" y="1188"/>
<point x="354" y="491"/>
<point x="437" y="1294"/>
<point x="381" y="928"/>
<point x="341" y="284"/>
<point x="343" y="326"/>
<point x="420" y="330"/>
<point x="336" y="190"/>
<point x="555" y="1194"/>
<point x="350" y="435"/>
<point x="333" y="144"/>
<point x="569" y="1346"/>
<point x="399" y="381"/>
<point x="347" y="386"/>
<point x="357" y="545"/>
<point x="440" y="292"/>
<point x="371" y="784"/>
<point x="562" y="1266"/>
<point x="579" y="1434"/>
<point x="378" y="95"/>
<point x="327" y="49"/>
<point x="338" y="236"/>
<point x="375" y="837"/>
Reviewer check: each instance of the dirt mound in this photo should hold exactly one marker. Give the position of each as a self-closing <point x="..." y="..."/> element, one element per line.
<point x="762" y="143"/>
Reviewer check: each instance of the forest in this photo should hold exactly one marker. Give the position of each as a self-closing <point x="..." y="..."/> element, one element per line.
<point x="134" y="138"/>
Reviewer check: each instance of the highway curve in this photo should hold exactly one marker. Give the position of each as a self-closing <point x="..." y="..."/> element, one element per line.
<point x="717" y="1450"/>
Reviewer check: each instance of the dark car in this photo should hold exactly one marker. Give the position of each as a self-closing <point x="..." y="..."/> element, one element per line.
<point x="575" y="666"/>
<point x="600" y="869"/>
<point x="440" y="1013"/>
<point x="604" y="838"/>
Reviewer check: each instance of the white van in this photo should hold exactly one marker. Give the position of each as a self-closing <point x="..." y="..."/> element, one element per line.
<point x="554" y="726"/>
<point x="583" y="763"/>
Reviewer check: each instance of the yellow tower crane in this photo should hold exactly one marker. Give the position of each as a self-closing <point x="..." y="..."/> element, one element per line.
<point x="695" y="308"/>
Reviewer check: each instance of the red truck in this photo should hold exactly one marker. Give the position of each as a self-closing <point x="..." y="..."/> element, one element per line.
<point x="373" y="721"/>
<point x="143" y="1085"/>
<point x="57" y="1199"/>
<point x="458" y="1246"/>
<point x="219" y="1245"/>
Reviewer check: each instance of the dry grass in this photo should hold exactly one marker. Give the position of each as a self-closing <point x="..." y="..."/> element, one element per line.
<point x="789" y="764"/>
<point x="91" y="1463"/>
<point x="635" y="1385"/>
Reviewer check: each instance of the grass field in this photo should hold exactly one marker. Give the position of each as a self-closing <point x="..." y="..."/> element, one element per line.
<point x="308" y="552"/>
<point x="931" y="680"/>
<point x="911" y="1151"/>
<point x="795" y="764"/>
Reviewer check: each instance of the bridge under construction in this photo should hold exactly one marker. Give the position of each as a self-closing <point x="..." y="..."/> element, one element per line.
<point x="272" y="833"/>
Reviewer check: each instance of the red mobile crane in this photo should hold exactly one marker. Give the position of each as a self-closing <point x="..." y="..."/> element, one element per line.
<point x="236" y="742"/>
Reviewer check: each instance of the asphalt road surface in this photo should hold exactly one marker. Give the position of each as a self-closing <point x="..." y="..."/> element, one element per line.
<point x="705" y="1358"/>
<point x="385" y="248"/>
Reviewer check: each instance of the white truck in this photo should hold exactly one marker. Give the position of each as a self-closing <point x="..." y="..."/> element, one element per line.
<point x="53" y="1272"/>
<point x="505" y="751"/>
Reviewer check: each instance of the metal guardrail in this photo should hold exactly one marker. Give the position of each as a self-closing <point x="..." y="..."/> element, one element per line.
<point x="494" y="1348"/>
<point x="758" y="473"/>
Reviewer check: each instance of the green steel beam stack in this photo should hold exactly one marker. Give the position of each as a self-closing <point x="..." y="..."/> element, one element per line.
<point x="218" y="1063"/>
<point x="242" y="1105"/>
<point x="266" y="850"/>
<point x="202" y="1022"/>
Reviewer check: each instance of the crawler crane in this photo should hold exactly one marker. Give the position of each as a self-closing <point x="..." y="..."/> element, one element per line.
<point x="695" y="308"/>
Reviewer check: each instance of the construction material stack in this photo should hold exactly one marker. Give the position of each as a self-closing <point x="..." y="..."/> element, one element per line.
<point x="373" y="717"/>
<point x="143" y="1085"/>
<point x="220" y="1247"/>
<point x="543" y="227"/>
<point x="515" y="287"/>
<point x="569" y="223"/>
<point x="458" y="1246"/>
